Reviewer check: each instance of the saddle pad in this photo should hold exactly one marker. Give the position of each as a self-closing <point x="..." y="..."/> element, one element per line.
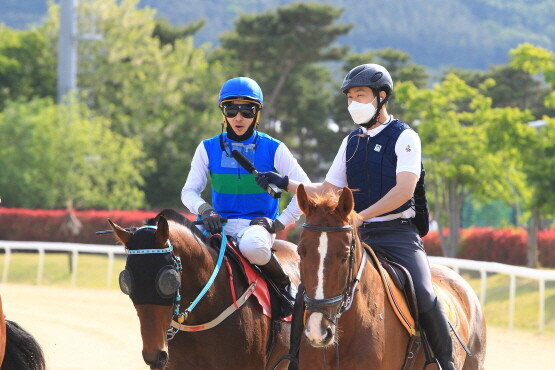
<point x="261" y="291"/>
<point x="395" y="296"/>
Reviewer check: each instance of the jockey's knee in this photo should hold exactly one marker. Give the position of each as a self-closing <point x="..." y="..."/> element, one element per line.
<point x="256" y="245"/>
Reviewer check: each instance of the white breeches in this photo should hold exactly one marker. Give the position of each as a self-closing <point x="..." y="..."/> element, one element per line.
<point x="255" y="242"/>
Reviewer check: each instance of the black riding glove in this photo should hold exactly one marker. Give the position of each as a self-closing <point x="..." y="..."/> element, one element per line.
<point x="211" y="221"/>
<point x="273" y="226"/>
<point x="263" y="179"/>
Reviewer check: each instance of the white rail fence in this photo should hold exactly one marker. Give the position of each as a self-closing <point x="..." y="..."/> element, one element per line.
<point x="542" y="276"/>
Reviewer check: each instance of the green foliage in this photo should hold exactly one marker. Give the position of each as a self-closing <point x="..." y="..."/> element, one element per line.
<point x="163" y="95"/>
<point x="167" y="33"/>
<point x="51" y="154"/>
<point x="27" y="65"/>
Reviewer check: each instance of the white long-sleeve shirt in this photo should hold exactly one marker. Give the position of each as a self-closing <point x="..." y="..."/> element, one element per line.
<point x="284" y="162"/>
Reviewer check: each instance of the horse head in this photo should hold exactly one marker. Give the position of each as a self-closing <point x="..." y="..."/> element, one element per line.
<point x="327" y="251"/>
<point x="152" y="279"/>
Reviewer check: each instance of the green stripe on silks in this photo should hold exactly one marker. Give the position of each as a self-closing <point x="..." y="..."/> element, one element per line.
<point x="233" y="184"/>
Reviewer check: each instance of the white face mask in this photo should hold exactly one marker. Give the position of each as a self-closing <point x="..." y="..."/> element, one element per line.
<point x="361" y="113"/>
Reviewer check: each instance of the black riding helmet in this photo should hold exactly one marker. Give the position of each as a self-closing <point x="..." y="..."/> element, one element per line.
<point x="374" y="76"/>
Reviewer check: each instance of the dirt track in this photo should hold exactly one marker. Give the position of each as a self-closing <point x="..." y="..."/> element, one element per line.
<point x="98" y="329"/>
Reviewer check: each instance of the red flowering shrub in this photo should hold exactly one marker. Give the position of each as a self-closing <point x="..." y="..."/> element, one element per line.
<point x="432" y="244"/>
<point x="487" y="244"/>
<point x="59" y="225"/>
<point x="477" y="244"/>
<point x="481" y="244"/>
<point x="546" y="247"/>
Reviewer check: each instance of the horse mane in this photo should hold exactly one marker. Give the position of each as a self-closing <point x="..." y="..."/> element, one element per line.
<point x="22" y="350"/>
<point x="172" y="215"/>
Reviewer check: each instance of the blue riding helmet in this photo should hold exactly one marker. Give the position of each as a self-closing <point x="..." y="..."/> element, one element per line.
<point x="241" y="88"/>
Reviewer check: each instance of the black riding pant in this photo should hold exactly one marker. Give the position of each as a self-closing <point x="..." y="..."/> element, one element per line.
<point x="398" y="240"/>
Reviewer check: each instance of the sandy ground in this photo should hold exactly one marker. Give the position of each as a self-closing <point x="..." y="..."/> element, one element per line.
<point x="98" y="329"/>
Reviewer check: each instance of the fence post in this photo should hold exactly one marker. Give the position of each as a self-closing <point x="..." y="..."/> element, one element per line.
<point x="74" y="257"/>
<point x="483" y="286"/>
<point x="6" y="264"/>
<point x="40" y="268"/>
<point x="110" y="269"/>
<point x="542" y="305"/>
<point x="512" y="301"/>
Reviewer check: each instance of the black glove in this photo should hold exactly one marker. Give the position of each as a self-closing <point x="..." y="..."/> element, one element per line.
<point x="211" y="221"/>
<point x="263" y="179"/>
<point x="273" y="226"/>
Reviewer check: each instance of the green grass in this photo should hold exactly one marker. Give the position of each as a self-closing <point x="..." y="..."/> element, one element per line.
<point x="92" y="273"/>
<point x="526" y="315"/>
<point x="92" y="270"/>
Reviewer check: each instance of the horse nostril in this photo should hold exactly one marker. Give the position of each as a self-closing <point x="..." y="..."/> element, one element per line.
<point x="162" y="357"/>
<point x="329" y="334"/>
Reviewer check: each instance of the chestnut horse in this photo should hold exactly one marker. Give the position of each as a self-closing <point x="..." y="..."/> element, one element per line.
<point x="354" y="327"/>
<point x="225" y="330"/>
<point x="18" y="349"/>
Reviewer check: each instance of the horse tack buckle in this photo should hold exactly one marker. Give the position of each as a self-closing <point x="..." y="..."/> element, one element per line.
<point x="182" y="316"/>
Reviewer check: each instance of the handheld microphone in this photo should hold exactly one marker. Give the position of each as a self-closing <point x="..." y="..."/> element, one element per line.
<point x="272" y="189"/>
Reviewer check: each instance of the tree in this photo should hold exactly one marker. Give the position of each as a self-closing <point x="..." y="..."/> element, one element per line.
<point x="53" y="155"/>
<point x="455" y="125"/>
<point x="152" y="84"/>
<point x="539" y="163"/>
<point x="270" y="46"/>
<point x="27" y="65"/>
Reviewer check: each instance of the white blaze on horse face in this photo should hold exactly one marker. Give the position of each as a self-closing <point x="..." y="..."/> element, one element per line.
<point x="314" y="330"/>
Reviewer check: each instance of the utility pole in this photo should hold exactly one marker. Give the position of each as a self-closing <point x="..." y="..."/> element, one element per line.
<point x="67" y="49"/>
<point x="68" y="39"/>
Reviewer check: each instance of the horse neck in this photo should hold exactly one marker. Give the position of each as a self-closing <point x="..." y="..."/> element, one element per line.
<point x="199" y="261"/>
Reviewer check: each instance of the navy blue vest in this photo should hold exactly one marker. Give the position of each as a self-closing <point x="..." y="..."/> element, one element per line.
<point x="372" y="164"/>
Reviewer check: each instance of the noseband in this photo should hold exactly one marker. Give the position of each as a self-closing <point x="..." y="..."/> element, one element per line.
<point x="341" y="302"/>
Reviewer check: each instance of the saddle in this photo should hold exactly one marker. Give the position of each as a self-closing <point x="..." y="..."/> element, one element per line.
<point x="267" y="297"/>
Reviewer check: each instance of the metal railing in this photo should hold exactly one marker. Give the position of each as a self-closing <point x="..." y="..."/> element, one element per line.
<point x="73" y="248"/>
<point x="456" y="264"/>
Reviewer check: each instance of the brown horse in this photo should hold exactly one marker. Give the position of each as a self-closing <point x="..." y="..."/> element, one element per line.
<point x="18" y="348"/>
<point x="218" y="333"/>
<point x="354" y="327"/>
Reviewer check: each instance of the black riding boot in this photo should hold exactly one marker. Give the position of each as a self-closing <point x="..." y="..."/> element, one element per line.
<point x="437" y="331"/>
<point x="280" y="279"/>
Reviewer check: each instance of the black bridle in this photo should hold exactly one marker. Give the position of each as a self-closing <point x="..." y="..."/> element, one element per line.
<point x="342" y="302"/>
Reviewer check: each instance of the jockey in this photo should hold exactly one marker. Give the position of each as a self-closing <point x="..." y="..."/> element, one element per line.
<point x="252" y="214"/>
<point x="381" y="162"/>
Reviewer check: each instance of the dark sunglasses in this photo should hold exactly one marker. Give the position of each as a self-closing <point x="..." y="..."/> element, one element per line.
<point x="246" y="110"/>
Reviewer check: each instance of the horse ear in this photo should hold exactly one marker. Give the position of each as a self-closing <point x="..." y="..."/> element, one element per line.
<point x="346" y="202"/>
<point x="123" y="235"/>
<point x="162" y="232"/>
<point x="305" y="204"/>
